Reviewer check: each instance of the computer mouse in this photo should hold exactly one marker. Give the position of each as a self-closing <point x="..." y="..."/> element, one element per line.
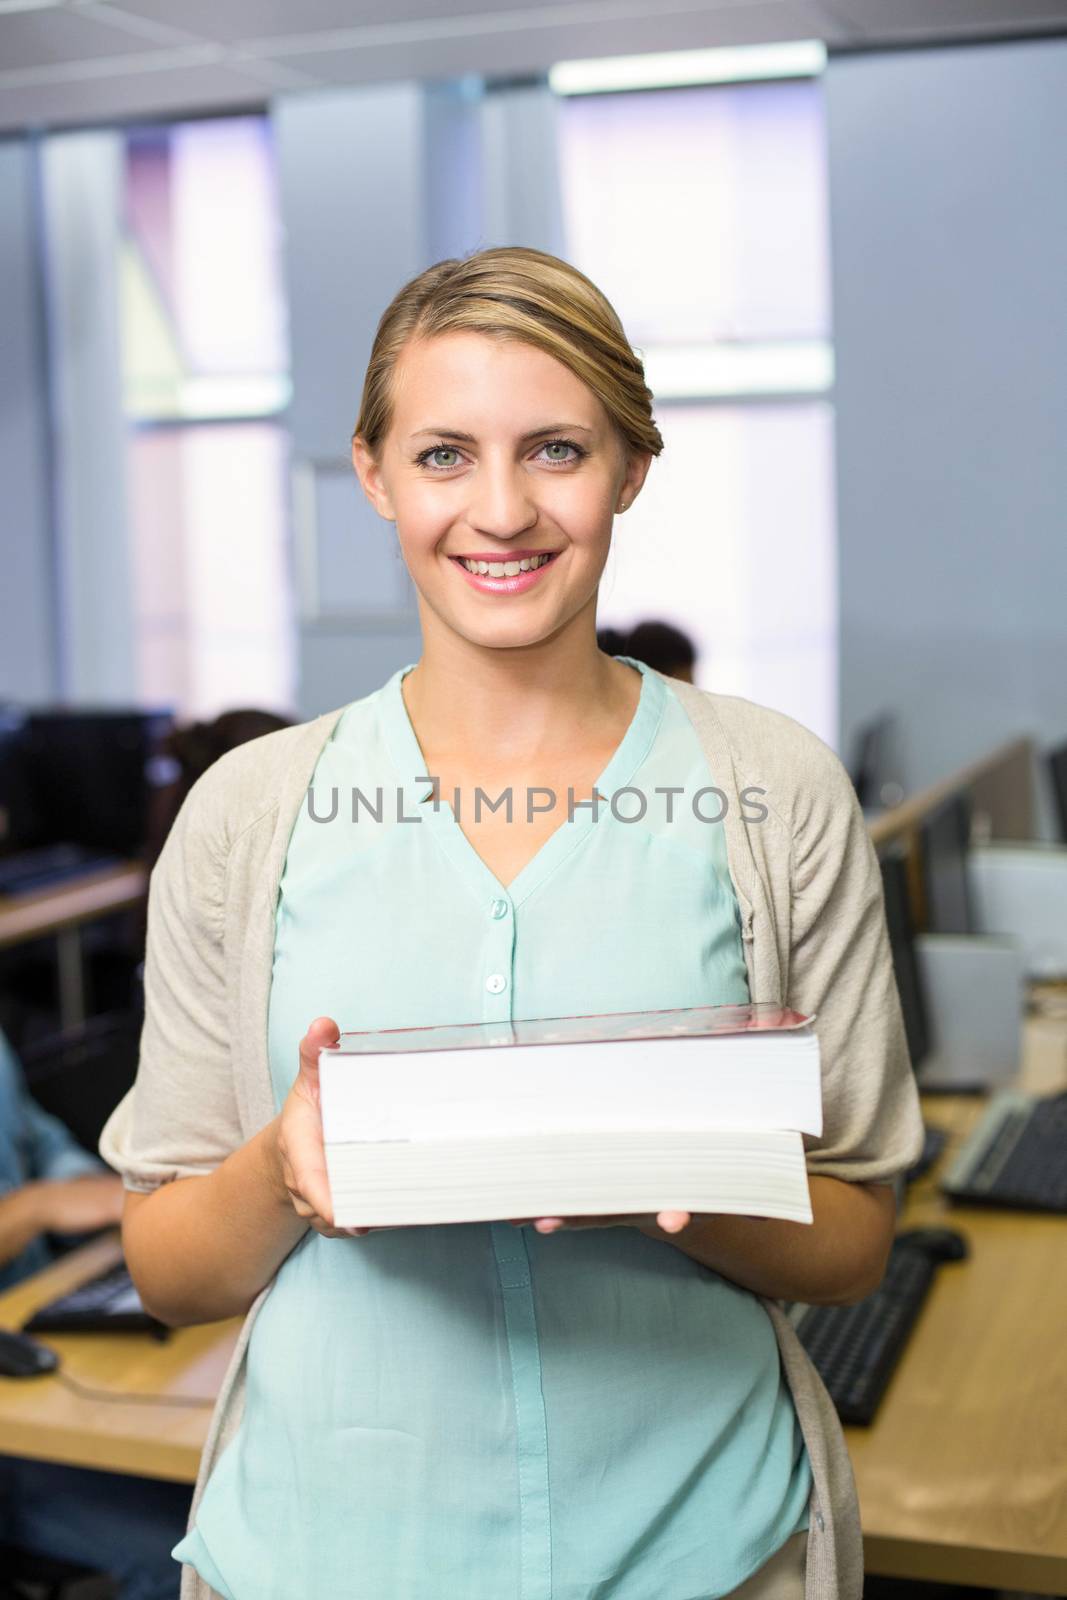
<point x="23" y="1357"/>
<point x="944" y="1244"/>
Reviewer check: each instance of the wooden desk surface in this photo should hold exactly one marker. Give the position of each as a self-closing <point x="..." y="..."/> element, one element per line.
<point x="963" y="1476"/>
<point x="45" y="911"/>
<point x="42" y="1418"/>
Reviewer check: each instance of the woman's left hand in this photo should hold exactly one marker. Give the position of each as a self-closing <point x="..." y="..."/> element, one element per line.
<point x="669" y="1221"/>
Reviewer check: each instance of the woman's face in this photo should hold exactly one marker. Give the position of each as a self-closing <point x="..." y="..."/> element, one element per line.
<point x="498" y="454"/>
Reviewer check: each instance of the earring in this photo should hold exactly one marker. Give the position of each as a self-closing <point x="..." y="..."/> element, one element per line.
<point x="625" y="505"/>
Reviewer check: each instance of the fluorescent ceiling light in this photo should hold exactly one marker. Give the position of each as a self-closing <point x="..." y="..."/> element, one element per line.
<point x="802" y="58"/>
<point x="723" y="371"/>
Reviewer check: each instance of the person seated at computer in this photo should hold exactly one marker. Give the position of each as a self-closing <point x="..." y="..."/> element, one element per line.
<point x="659" y="645"/>
<point x="121" y="1525"/>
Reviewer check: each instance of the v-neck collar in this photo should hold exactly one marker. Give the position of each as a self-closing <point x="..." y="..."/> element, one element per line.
<point x="410" y="763"/>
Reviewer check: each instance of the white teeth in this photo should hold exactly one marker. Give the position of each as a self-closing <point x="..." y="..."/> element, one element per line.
<point x="504" y="569"/>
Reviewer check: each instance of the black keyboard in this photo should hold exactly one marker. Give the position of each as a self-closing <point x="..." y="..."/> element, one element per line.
<point x="49" y="867"/>
<point x="108" y="1303"/>
<point x="855" y="1348"/>
<point x="1017" y="1156"/>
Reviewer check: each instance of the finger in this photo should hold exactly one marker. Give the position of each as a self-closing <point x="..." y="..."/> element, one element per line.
<point x="321" y="1035"/>
<point x="673" y="1221"/>
<point x="549" y="1224"/>
<point x="307" y="1179"/>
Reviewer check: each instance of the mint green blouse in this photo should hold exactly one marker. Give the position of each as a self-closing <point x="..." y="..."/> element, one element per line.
<point x="478" y="1409"/>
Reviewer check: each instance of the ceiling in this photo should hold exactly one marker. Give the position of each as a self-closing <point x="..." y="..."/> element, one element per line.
<point x="71" y="62"/>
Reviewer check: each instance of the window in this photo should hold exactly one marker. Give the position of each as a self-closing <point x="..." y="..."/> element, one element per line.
<point x="702" y="214"/>
<point x="205" y="380"/>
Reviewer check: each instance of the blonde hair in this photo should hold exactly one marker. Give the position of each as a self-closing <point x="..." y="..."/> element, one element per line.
<point x="514" y="293"/>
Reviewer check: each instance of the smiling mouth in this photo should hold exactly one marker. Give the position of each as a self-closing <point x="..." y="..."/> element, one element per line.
<point x="504" y="569"/>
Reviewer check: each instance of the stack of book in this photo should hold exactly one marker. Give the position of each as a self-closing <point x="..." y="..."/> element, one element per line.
<point x="699" y="1109"/>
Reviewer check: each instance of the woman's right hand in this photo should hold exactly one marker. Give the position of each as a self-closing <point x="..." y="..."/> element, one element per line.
<point x="300" y="1151"/>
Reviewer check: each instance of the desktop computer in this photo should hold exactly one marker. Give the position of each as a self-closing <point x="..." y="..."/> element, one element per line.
<point x="75" y="790"/>
<point x="14" y="788"/>
<point x="944" y="841"/>
<point x="90" y="775"/>
<point x="1020" y="891"/>
<point x="1057" y="766"/>
<point x="906" y="966"/>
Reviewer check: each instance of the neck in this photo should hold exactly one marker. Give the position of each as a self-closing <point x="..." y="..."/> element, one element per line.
<point x="474" y="701"/>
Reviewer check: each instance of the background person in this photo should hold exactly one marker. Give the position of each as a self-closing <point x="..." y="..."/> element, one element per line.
<point x="657" y="644"/>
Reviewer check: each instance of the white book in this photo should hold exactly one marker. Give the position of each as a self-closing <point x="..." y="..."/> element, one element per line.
<point x="697" y="1109"/>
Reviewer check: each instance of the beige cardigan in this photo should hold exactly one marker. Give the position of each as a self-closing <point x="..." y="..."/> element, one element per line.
<point x="814" y="936"/>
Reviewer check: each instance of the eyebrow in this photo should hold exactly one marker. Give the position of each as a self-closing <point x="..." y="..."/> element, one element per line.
<point x="535" y="433"/>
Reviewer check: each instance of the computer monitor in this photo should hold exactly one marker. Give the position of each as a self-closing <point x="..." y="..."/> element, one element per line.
<point x="1057" y="763"/>
<point x="944" y="841"/>
<point x="868" y="766"/>
<point x="905" y="959"/>
<point x="90" y="776"/>
<point x="15" y="823"/>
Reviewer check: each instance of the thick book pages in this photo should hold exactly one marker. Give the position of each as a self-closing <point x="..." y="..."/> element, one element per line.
<point x="700" y="1109"/>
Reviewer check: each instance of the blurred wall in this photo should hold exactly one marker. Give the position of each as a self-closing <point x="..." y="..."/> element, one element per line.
<point x="948" y="186"/>
<point x="27" y="622"/>
<point x="376" y="184"/>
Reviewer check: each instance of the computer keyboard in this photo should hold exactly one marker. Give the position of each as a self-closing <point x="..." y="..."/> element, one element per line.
<point x="1016" y="1157"/>
<point x="856" y="1348"/>
<point x="49" y="867"/>
<point x="108" y="1303"/>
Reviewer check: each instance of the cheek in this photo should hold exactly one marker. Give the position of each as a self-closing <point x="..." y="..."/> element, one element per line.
<point x="582" y="508"/>
<point x="423" y="512"/>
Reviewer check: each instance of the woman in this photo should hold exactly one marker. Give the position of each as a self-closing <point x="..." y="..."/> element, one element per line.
<point x="567" y="1408"/>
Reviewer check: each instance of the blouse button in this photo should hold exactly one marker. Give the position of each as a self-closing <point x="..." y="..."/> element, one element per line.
<point x="498" y="909"/>
<point x="496" y="983"/>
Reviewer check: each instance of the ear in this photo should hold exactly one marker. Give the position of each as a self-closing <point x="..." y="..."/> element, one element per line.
<point x="637" y="465"/>
<point x="369" y="473"/>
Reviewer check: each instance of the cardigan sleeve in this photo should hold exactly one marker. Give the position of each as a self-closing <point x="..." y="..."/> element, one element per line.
<point x="841" y="968"/>
<point x="181" y="1118"/>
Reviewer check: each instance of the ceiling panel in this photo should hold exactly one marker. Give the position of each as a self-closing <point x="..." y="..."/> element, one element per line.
<point x="886" y="18"/>
<point x="533" y="46"/>
<point x="43" y="38"/>
<point x="138" y="95"/>
<point x="267" y="19"/>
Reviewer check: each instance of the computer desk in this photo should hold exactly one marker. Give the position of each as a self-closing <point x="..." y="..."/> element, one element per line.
<point x="962" y="1478"/>
<point x="42" y="1418"/>
<point x="62" y="911"/>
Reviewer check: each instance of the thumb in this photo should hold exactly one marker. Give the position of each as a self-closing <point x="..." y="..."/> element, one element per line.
<point x="322" y="1034"/>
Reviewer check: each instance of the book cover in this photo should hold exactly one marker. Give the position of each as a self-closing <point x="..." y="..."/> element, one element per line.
<point x="600" y="1028"/>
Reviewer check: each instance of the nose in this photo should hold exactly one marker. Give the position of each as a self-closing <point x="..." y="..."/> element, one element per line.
<point x="501" y="504"/>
